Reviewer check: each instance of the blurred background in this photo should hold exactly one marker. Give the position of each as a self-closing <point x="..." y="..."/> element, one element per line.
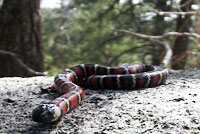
<point x="51" y="35"/>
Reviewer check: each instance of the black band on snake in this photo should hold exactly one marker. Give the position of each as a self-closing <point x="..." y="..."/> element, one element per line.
<point x="70" y="81"/>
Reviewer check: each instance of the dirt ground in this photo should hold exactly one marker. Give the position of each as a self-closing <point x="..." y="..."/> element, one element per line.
<point x="170" y="108"/>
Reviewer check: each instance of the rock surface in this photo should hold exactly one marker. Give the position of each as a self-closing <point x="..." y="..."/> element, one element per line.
<point x="170" y="108"/>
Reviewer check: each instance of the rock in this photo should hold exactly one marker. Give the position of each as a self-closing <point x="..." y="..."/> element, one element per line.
<point x="169" y="108"/>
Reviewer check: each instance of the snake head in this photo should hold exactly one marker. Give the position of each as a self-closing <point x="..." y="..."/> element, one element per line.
<point x="46" y="113"/>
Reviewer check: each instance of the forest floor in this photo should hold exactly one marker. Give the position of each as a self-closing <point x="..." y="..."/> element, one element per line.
<point x="170" y="108"/>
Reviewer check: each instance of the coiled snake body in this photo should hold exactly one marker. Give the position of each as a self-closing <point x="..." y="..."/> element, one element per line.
<point x="69" y="84"/>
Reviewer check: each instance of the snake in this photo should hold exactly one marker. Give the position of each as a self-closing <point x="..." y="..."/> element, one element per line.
<point x="71" y="82"/>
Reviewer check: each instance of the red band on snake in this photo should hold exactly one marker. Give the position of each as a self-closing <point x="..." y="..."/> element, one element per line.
<point x="69" y="84"/>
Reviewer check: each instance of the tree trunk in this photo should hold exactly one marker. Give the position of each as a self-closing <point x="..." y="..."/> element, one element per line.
<point x="159" y="28"/>
<point x="20" y="34"/>
<point x="181" y="43"/>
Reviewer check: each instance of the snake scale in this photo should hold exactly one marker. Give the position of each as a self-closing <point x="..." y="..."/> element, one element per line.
<point x="70" y="81"/>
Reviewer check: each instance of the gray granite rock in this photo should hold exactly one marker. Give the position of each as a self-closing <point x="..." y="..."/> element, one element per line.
<point x="170" y="108"/>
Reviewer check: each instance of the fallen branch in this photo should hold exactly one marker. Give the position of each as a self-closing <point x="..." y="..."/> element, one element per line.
<point x="153" y="40"/>
<point x="157" y="40"/>
<point x="195" y="35"/>
<point x="164" y="36"/>
<point x="14" y="56"/>
<point x="175" y="13"/>
<point x="179" y="12"/>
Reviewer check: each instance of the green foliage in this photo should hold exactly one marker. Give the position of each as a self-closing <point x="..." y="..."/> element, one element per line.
<point x="84" y="32"/>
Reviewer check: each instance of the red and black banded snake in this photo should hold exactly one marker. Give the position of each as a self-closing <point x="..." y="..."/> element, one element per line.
<point x="70" y="81"/>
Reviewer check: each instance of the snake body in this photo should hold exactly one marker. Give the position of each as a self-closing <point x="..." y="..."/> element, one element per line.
<point x="70" y="81"/>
